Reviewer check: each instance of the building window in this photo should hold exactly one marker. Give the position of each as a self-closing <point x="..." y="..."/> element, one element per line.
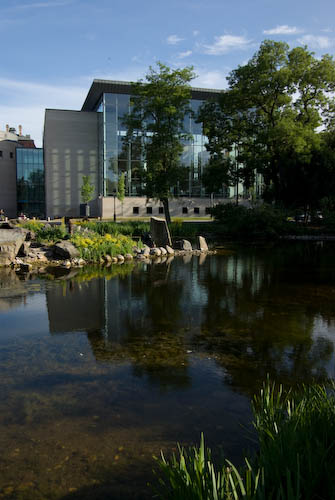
<point x="160" y="210"/>
<point x="207" y="210"/>
<point x="196" y="210"/>
<point x="185" y="210"/>
<point x="149" y="210"/>
<point x="11" y="155"/>
<point x="136" y="210"/>
<point x="0" y="154"/>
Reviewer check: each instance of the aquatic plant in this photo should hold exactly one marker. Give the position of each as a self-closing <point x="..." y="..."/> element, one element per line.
<point x="296" y="458"/>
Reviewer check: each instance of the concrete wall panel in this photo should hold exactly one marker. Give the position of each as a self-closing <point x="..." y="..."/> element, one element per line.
<point x="70" y="151"/>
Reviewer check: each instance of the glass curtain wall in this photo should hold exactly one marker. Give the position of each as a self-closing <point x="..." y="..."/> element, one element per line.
<point x="117" y="156"/>
<point x="30" y="182"/>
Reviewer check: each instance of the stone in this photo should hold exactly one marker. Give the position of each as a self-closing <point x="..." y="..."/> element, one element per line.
<point x="141" y="256"/>
<point x="184" y="245"/>
<point x="11" y="241"/>
<point x="108" y="258"/>
<point x="147" y="240"/>
<point x="169" y="250"/>
<point x="114" y="260"/>
<point x="5" y="259"/>
<point x="24" y="249"/>
<point x="25" y="268"/>
<point x="66" y="263"/>
<point x="160" y="232"/>
<point x="128" y="256"/>
<point x="202" y="244"/>
<point x="146" y="250"/>
<point x="155" y="251"/>
<point x="65" y="250"/>
<point x="120" y="258"/>
<point x="163" y="251"/>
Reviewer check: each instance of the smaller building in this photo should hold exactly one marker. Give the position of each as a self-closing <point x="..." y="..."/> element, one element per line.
<point x="22" y="174"/>
<point x="30" y="182"/>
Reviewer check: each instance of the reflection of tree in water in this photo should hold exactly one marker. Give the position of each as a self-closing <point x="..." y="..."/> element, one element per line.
<point x="261" y="321"/>
<point x="151" y="339"/>
<point x="254" y="312"/>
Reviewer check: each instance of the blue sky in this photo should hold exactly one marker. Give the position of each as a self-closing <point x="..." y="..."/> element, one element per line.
<point x="53" y="49"/>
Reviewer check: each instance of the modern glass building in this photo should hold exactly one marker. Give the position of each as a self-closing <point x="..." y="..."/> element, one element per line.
<point x="111" y="100"/>
<point x="30" y="182"/>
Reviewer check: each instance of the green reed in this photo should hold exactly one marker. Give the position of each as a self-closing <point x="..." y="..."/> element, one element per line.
<point x="295" y="461"/>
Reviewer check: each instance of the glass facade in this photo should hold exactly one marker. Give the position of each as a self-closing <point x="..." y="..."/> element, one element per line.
<point x="30" y="182"/>
<point x="117" y="156"/>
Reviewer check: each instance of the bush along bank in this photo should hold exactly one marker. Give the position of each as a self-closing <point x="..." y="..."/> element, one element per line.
<point x="265" y="222"/>
<point x="295" y="461"/>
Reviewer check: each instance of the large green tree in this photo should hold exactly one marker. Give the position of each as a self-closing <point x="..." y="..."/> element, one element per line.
<point x="158" y="108"/>
<point x="272" y="111"/>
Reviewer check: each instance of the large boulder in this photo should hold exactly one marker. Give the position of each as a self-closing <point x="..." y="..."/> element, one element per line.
<point x="160" y="232"/>
<point x="65" y="250"/>
<point x="202" y="244"/>
<point x="184" y="245"/>
<point x="11" y="241"/>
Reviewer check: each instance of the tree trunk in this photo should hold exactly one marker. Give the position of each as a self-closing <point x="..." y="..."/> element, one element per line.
<point x="165" y="202"/>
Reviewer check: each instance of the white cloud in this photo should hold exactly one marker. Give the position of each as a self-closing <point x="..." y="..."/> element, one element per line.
<point x="327" y="30"/>
<point x="187" y="53"/>
<point x="24" y="103"/>
<point x="209" y="79"/>
<point x="283" y="30"/>
<point x="226" y="43"/>
<point x="174" y="39"/>
<point x="317" y="42"/>
<point x="42" y="5"/>
<point x="196" y="32"/>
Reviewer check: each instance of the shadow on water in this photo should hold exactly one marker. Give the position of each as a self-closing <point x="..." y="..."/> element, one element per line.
<point x="102" y="368"/>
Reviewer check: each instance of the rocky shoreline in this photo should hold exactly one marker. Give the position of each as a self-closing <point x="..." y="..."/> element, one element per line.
<point x="20" y="251"/>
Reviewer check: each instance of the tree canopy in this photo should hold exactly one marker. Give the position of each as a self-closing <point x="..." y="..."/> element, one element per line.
<point x="158" y="107"/>
<point x="272" y="113"/>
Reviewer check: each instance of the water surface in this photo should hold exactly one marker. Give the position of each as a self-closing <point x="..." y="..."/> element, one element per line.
<point x="101" y="369"/>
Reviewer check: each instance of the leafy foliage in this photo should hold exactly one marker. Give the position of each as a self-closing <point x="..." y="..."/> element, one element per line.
<point x="131" y="228"/>
<point x="44" y="233"/>
<point x="159" y="106"/>
<point x="262" y="221"/>
<point x="270" y="114"/>
<point x="87" y="189"/>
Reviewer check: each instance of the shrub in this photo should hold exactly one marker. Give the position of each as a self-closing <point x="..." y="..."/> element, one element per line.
<point x="296" y="458"/>
<point x="261" y="221"/>
<point x="45" y="233"/>
<point x="131" y="228"/>
<point x="93" y="246"/>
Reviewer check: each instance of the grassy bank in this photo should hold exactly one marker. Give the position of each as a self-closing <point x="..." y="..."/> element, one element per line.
<point x="296" y="458"/>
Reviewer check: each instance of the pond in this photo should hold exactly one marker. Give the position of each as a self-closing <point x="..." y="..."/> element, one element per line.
<point x="100" y="369"/>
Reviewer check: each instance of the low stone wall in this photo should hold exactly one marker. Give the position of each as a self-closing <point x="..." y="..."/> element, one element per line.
<point x="133" y="206"/>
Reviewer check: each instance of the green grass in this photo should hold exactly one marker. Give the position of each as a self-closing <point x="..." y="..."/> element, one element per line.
<point x="295" y="461"/>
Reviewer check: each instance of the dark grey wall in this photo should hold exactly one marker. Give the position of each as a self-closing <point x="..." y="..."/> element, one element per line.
<point x="70" y="151"/>
<point x="8" y="178"/>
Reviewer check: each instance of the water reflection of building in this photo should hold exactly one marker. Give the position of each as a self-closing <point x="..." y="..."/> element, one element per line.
<point x="75" y="306"/>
